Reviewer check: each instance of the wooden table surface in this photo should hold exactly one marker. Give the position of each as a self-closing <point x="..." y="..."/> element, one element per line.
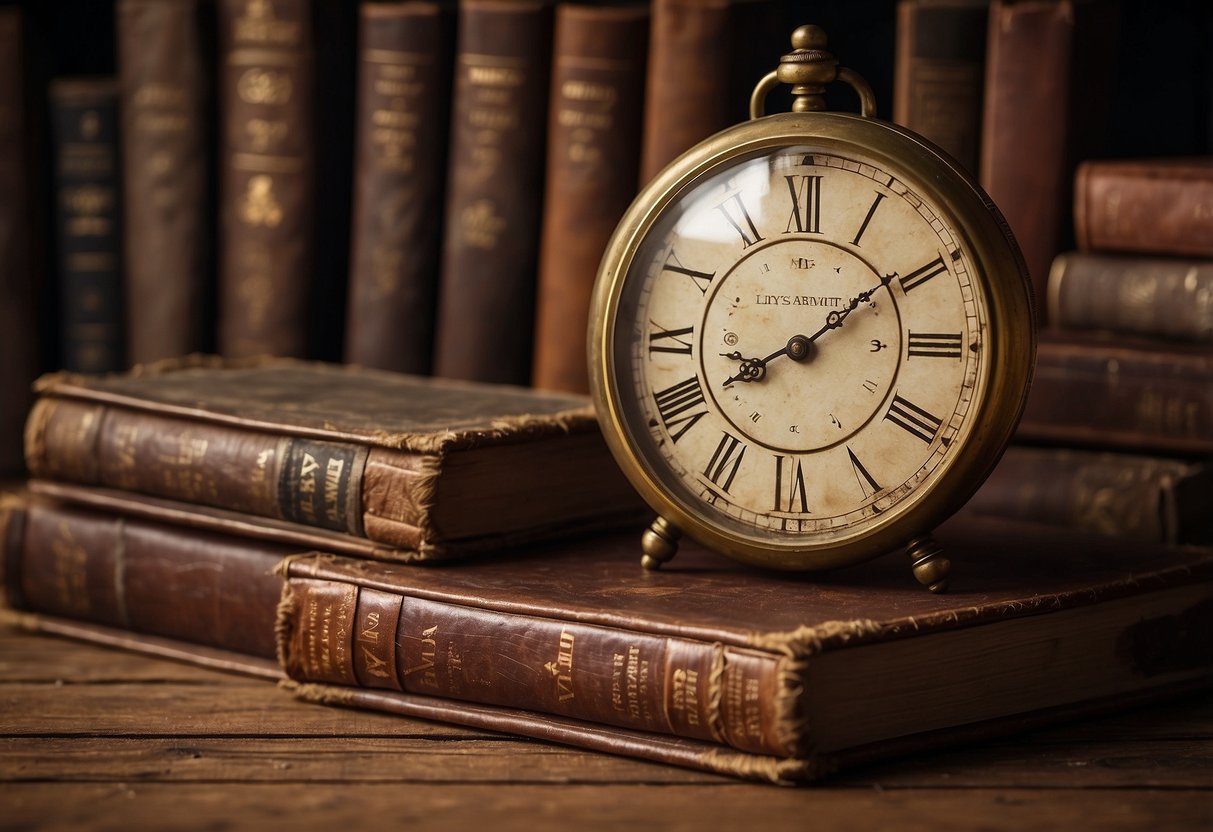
<point x="92" y="738"/>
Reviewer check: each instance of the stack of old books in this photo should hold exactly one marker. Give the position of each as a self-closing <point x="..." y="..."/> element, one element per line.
<point x="1119" y="427"/>
<point x="279" y="518"/>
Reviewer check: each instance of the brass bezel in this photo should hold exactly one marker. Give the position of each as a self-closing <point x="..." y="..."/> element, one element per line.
<point x="992" y="251"/>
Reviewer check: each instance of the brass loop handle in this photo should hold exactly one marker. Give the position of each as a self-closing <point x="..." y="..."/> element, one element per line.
<point x="808" y="68"/>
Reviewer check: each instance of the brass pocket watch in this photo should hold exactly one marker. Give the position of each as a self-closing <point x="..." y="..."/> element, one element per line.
<point x="811" y="336"/>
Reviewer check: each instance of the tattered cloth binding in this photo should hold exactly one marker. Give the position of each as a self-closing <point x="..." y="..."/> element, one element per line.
<point x="705" y="664"/>
<point x="424" y="468"/>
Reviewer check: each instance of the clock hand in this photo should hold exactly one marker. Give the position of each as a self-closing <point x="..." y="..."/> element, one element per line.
<point x="799" y="347"/>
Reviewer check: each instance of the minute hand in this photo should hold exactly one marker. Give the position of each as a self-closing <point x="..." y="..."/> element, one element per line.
<point x="835" y="319"/>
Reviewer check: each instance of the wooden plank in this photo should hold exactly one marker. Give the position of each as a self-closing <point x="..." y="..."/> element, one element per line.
<point x="303" y="760"/>
<point x="531" y="808"/>
<point x="1171" y="764"/>
<point x="250" y="709"/>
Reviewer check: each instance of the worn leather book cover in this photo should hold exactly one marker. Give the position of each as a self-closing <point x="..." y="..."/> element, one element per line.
<point x="267" y="178"/>
<point x="1151" y="296"/>
<point x="88" y="212"/>
<point x="593" y="156"/>
<point x="434" y="466"/>
<point x="404" y="65"/>
<point x="486" y="298"/>
<point x="939" y="73"/>
<point x="1135" y="496"/>
<point x="775" y="677"/>
<point x="1148" y="206"/>
<point x="202" y="597"/>
<point x="1118" y="393"/>
<point x="164" y="49"/>
<point x="18" y="288"/>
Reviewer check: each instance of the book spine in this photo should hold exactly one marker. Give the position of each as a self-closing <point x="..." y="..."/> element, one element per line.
<point x="84" y="120"/>
<point x="690" y="54"/>
<point x="1025" y="125"/>
<point x="400" y="159"/>
<point x="164" y="85"/>
<point x="203" y="588"/>
<point x="267" y="183"/>
<point x="495" y="186"/>
<point x="345" y="487"/>
<point x="1125" y="495"/>
<point x="1125" y="399"/>
<point x="18" y="316"/>
<point x="593" y="157"/>
<point x="939" y="72"/>
<point x="1145" y="208"/>
<point x="341" y="633"/>
<point x="1151" y="296"/>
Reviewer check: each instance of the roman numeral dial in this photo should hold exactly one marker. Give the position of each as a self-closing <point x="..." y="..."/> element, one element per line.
<point x="802" y="337"/>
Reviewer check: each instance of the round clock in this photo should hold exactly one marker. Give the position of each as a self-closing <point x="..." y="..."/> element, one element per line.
<point x="812" y="336"/>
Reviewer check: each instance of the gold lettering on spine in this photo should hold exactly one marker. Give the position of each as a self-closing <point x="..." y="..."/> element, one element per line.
<point x="260" y="25"/>
<point x="585" y="111"/>
<point x="369" y="633"/>
<point x="123" y="471"/>
<point x="332" y="489"/>
<point x="70" y="572"/>
<point x="685" y="698"/>
<point x="562" y="668"/>
<point x="429" y="651"/>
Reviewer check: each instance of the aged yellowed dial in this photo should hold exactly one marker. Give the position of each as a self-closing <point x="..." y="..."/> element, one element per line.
<point x="814" y="339"/>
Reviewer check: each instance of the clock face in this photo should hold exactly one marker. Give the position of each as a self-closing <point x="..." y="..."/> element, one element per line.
<point x="800" y="346"/>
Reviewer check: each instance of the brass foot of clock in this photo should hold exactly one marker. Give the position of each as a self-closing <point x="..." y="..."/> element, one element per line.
<point x="659" y="543"/>
<point x="927" y="562"/>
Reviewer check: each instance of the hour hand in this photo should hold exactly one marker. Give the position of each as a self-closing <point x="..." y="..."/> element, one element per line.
<point x="751" y="369"/>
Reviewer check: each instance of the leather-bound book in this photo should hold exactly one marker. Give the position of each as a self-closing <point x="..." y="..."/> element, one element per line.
<point x="187" y="594"/>
<point x="437" y="467"/>
<point x="939" y="73"/>
<point x="486" y="299"/>
<point x="593" y="156"/>
<point x="705" y="664"/>
<point x="1147" y="206"/>
<point x="776" y="677"/>
<point x="1121" y="394"/>
<point x="1154" y="296"/>
<point x="164" y="74"/>
<point x="88" y="212"/>
<point x="404" y="57"/>
<point x="1025" y="127"/>
<point x="267" y="186"/>
<point x="18" y="288"/>
<point x="1138" y="497"/>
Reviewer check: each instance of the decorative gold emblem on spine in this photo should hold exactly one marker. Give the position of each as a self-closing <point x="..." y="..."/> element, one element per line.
<point x="260" y="206"/>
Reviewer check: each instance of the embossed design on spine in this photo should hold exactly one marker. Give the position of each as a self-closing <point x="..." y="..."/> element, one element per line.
<point x="267" y="187"/>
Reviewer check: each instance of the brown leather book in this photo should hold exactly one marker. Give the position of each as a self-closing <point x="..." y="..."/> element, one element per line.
<point x="165" y="79"/>
<point x="774" y="677"/>
<point x="1121" y="394"/>
<point x="18" y="288"/>
<point x="593" y="156"/>
<point x="88" y="210"/>
<point x="1162" y="297"/>
<point x="267" y="187"/>
<point x="707" y="664"/>
<point x="1134" y="496"/>
<point x="486" y="298"/>
<point x="1025" y="127"/>
<point x="433" y="466"/>
<point x="399" y="168"/>
<point x="203" y="597"/>
<point x="1148" y="206"/>
<point x="939" y="73"/>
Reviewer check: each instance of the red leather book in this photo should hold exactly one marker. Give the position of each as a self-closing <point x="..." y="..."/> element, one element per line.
<point x="593" y="155"/>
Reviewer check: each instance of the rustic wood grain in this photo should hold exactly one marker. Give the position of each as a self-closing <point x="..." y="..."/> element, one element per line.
<point x="97" y="739"/>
